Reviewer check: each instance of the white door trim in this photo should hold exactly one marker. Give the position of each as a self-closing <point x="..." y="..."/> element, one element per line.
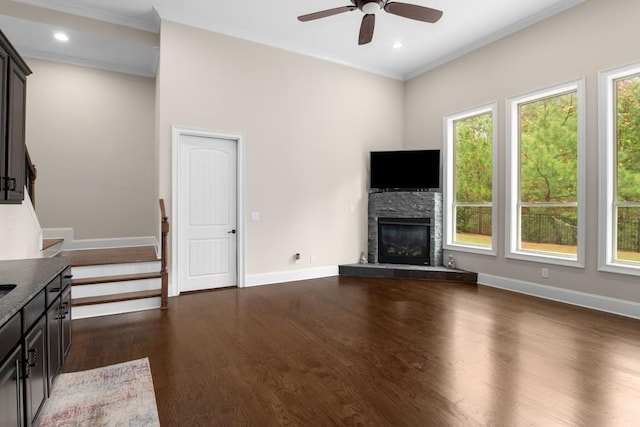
<point x="176" y="133"/>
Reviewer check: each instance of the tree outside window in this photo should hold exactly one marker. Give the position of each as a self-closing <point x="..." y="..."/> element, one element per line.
<point x="469" y="197"/>
<point x="627" y="169"/>
<point x="545" y="188"/>
<point x="473" y="178"/>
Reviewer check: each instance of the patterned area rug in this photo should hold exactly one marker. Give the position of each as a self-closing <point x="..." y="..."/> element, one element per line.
<point x="116" y="395"/>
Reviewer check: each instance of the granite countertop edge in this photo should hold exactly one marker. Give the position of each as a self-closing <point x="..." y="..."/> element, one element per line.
<point x="30" y="276"/>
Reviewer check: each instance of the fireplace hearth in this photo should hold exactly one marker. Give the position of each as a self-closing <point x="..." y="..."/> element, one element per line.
<point x="404" y="240"/>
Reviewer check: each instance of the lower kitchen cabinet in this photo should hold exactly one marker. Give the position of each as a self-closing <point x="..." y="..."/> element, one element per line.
<point x="33" y="345"/>
<point x="54" y="360"/>
<point x="65" y="308"/>
<point x="11" y="390"/>
<point x="58" y="324"/>
<point x="35" y="370"/>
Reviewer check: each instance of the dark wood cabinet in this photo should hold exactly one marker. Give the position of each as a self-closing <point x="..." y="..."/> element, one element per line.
<point x="58" y="297"/>
<point x="11" y="390"/>
<point x="13" y="87"/>
<point x="65" y="306"/>
<point x="54" y="361"/>
<point x="11" y="385"/>
<point x="33" y="345"/>
<point x="35" y="387"/>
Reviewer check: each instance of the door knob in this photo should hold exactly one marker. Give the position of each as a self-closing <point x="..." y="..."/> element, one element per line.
<point x="231" y="232"/>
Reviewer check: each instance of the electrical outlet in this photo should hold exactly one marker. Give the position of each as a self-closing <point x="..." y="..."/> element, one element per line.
<point x="312" y="259"/>
<point x="297" y="258"/>
<point x="545" y="273"/>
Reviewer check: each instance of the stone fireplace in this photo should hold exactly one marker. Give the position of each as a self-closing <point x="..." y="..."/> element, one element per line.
<point x="405" y="228"/>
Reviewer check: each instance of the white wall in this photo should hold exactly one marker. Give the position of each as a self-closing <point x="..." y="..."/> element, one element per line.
<point x="20" y="232"/>
<point x="308" y="127"/>
<point x="596" y="35"/>
<point x="91" y="135"/>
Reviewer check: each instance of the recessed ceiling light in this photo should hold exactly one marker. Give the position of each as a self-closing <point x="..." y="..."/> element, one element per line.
<point x="62" y="37"/>
<point x="397" y="45"/>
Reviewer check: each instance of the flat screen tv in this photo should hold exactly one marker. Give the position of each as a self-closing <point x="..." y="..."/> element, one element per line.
<point x="409" y="170"/>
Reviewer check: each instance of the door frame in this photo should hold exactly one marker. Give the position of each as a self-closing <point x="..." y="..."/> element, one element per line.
<point x="176" y="133"/>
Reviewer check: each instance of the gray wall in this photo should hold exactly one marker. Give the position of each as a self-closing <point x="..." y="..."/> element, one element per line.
<point x="91" y="135"/>
<point x="308" y="126"/>
<point x="596" y="35"/>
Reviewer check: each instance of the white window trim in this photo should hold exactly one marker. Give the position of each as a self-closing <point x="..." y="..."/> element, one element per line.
<point x="449" y="187"/>
<point x="606" y="166"/>
<point x="513" y="177"/>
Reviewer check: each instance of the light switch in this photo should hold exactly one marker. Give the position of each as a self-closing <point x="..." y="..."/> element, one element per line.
<point x="255" y="216"/>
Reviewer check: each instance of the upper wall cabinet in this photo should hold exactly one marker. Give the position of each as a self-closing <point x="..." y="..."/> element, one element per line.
<point x="13" y="90"/>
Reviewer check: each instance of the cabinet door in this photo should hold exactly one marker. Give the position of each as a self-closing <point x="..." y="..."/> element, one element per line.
<point x="4" y="70"/>
<point x="35" y="370"/>
<point x="11" y="410"/>
<point x="54" y="339"/>
<point x="65" y="313"/>
<point x="15" y="133"/>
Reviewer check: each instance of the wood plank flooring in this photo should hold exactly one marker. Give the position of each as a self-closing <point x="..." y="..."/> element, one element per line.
<point x="375" y="352"/>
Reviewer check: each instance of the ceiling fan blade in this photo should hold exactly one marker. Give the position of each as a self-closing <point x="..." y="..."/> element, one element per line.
<point x="325" y="13"/>
<point x="413" y="11"/>
<point x="366" y="28"/>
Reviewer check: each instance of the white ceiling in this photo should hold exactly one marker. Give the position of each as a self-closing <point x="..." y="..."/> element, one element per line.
<point x="465" y="26"/>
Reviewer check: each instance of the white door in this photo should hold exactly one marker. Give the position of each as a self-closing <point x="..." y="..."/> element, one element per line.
<point x="207" y="198"/>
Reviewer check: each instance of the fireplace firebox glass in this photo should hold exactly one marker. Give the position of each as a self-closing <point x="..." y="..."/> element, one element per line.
<point x="404" y="240"/>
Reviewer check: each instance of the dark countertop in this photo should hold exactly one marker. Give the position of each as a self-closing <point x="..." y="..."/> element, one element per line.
<point x="31" y="276"/>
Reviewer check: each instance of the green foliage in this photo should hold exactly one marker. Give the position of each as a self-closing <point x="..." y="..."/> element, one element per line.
<point x="474" y="160"/>
<point x="549" y="150"/>
<point x="628" y="139"/>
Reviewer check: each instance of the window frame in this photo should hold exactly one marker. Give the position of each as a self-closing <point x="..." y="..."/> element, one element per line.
<point x="607" y="232"/>
<point x="449" y="181"/>
<point x="513" y="204"/>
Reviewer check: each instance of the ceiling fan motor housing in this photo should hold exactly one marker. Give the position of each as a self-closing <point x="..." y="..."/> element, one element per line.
<point x="369" y="6"/>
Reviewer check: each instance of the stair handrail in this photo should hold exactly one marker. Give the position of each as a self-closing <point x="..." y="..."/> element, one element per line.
<point x="32" y="174"/>
<point x="164" y="227"/>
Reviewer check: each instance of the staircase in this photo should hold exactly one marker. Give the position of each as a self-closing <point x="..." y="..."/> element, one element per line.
<point x="109" y="280"/>
<point x="118" y="280"/>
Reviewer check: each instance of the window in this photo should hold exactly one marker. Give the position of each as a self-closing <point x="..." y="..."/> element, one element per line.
<point x="469" y="183"/>
<point x="620" y="170"/>
<point x="545" y="179"/>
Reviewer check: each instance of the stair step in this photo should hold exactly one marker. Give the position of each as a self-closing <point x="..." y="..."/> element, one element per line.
<point x="91" y="257"/>
<point x="118" y="278"/>
<point x="48" y="243"/>
<point x="128" y="296"/>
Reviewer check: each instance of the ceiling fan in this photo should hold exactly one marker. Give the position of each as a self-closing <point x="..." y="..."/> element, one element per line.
<point x="370" y="7"/>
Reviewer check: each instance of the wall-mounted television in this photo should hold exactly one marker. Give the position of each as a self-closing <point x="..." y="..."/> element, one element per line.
<point x="408" y="170"/>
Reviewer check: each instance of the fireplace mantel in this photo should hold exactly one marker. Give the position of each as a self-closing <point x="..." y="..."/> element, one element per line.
<point x="406" y="204"/>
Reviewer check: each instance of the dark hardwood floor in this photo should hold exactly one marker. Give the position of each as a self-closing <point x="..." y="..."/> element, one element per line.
<point x="355" y="351"/>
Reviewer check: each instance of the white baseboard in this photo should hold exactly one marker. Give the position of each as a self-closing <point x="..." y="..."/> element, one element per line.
<point x="58" y="233"/>
<point x="581" y="299"/>
<point x="290" y="276"/>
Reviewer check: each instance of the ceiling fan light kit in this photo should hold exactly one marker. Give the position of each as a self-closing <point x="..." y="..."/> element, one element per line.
<point x="371" y="7"/>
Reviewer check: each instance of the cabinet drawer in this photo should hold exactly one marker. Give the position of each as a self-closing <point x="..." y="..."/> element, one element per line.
<point x="32" y="311"/>
<point x="53" y="290"/>
<point x="66" y="278"/>
<point x="9" y="335"/>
